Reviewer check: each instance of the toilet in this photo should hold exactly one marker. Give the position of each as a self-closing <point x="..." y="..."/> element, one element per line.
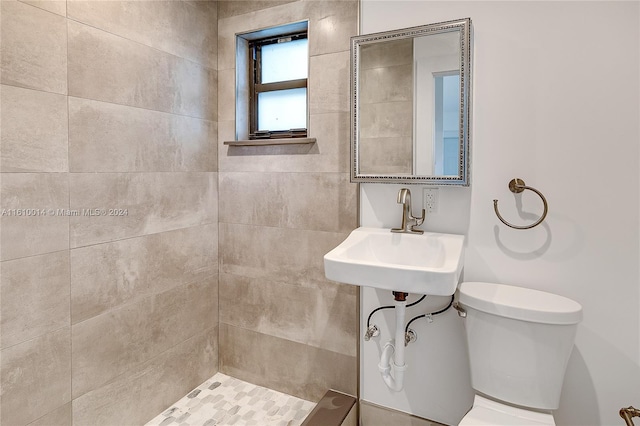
<point x="519" y="343"/>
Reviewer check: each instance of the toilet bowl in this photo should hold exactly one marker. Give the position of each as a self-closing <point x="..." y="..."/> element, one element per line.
<point x="519" y="343"/>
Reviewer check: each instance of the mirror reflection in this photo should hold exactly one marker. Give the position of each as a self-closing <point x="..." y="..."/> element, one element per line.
<point x="410" y="102"/>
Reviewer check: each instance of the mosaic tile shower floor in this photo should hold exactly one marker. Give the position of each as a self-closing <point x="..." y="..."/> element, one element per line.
<point x="223" y="400"/>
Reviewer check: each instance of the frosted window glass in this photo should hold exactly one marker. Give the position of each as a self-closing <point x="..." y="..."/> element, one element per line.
<point x="282" y="109"/>
<point x="284" y="61"/>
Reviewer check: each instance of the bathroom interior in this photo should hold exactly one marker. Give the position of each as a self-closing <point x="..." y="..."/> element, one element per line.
<point x="211" y="258"/>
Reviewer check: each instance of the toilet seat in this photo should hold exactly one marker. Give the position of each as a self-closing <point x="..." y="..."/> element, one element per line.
<point x="486" y="412"/>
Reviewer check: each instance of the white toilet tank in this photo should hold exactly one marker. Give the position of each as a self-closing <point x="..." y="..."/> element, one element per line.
<point x="519" y="342"/>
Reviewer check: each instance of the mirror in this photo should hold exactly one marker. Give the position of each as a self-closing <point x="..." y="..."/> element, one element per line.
<point x="410" y="93"/>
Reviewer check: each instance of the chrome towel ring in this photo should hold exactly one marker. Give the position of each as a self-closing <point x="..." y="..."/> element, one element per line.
<point x="516" y="186"/>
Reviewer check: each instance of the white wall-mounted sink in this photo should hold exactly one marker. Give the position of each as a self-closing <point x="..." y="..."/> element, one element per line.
<point x="428" y="263"/>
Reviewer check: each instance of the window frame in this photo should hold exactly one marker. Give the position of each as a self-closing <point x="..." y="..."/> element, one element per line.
<point x="256" y="87"/>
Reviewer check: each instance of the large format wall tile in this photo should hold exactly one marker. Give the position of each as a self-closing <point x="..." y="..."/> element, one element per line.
<point x="329" y="83"/>
<point x="34" y="221"/>
<point x="313" y="201"/>
<point x="34" y="48"/>
<point x="183" y="28"/>
<point x="34" y="130"/>
<point x="154" y="202"/>
<point x="121" y="340"/>
<point x="286" y="366"/>
<point x="137" y="294"/>
<point x="109" y="68"/>
<point x="380" y="121"/>
<point x="106" y="137"/>
<point x="58" y="417"/>
<point x="321" y="317"/>
<point x="330" y="153"/>
<point x="293" y="256"/>
<point x="227" y="91"/>
<point x="35" y="377"/>
<point x="392" y="84"/>
<point x="331" y="28"/>
<point x="105" y="276"/>
<point x="138" y="397"/>
<point x="34" y="296"/>
<point x="386" y="155"/>
<point x="58" y="7"/>
<point x="234" y="7"/>
<point x="385" y="55"/>
<point x="253" y="20"/>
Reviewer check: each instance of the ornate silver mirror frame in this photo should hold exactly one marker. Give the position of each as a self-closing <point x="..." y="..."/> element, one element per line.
<point x="360" y="173"/>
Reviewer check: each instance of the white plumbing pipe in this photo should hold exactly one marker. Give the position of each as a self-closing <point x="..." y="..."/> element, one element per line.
<point x="394" y="348"/>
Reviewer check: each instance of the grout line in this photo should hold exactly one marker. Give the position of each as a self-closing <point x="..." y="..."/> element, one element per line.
<point x="66" y="26"/>
<point x="141" y="108"/>
<point x="142" y="235"/>
<point x="194" y="62"/>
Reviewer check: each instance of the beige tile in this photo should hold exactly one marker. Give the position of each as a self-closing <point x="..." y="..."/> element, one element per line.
<point x="391" y="84"/>
<point x="105" y="276"/>
<point x="386" y="155"/>
<point x="119" y="341"/>
<point x="109" y="68"/>
<point x="140" y="395"/>
<point x="301" y="370"/>
<point x="386" y="54"/>
<point x="58" y="417"/>
<point x="34" y="48"/>
<point x="386" y="120"/>
<point x="333" y="133"/>
<point x="249" y="21"/>
<point x="291" y="256"/>
<point x="34" y="297"/>
<point x="182" y="28"/>
<point x="329" y="83"/>
<point x="331" y="25"/>
<point x="149" y="203"/>
<point x="227" y="94"/>
<point x="234" y="8"/>
<point x="34" y="130"/>
<point x="330" y="153"/>
<point x="324" y="318"/>
<point x="226" y="132"/>
<point x="226" y="45"/>
<point x="313" y="201"/>
<point x="106" y="137"/>
<point x="34" y="221"/>
<point x="35" y="377"/>
<point x="58" y="7"/>
<point x="373" y="415"/>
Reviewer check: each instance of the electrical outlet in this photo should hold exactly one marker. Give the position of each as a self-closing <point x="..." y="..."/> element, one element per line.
<point x="430" y="199"/>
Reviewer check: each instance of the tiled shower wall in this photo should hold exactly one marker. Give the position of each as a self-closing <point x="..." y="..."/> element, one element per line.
<point x="282" y="324"/>
<point x="386" y="107"/>
<point x="107" y="105"/>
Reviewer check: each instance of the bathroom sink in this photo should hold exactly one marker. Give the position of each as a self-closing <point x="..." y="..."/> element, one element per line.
<point x="428" y="263"/>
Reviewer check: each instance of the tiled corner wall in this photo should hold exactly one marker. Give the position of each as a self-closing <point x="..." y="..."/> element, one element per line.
<point x="386" y="107"/>
<point x="282" y="324"/>
<point x="107" y="105"/>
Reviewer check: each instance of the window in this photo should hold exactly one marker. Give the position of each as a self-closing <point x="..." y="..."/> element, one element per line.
<point x="278" y="71"/>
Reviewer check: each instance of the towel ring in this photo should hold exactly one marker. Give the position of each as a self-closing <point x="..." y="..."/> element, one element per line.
<point x="517" y="186"/>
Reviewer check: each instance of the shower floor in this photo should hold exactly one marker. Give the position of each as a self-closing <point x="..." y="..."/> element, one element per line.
<point x="224" y="400"/>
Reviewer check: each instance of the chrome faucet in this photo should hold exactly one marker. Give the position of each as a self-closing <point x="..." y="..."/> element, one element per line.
<point x="409" y="222"/>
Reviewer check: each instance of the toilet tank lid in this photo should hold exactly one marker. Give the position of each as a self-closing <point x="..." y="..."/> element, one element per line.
<point x="520" y="303"/>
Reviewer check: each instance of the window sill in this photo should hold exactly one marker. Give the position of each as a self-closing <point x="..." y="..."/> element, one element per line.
<point x="265" y="142"/>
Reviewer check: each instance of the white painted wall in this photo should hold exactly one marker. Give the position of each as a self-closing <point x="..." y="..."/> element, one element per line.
<point x="556" y="103"/>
